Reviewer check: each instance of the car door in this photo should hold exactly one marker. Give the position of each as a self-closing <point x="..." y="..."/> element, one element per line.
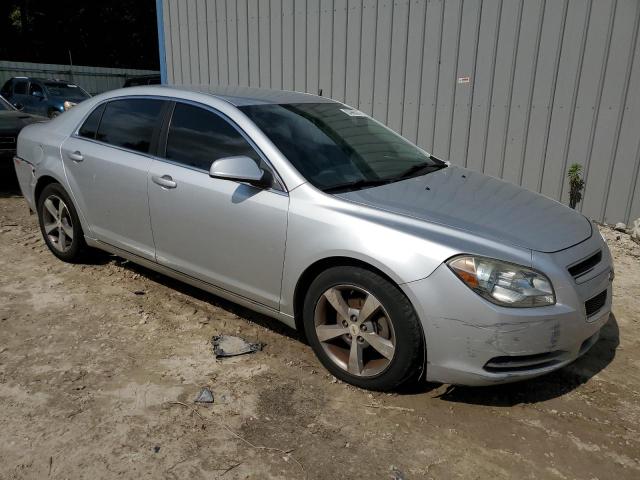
<point x="20" y="97"/>
<point x="229" y="234"/>
<point x="107" y="162"/>
<point x="37" y="102"/>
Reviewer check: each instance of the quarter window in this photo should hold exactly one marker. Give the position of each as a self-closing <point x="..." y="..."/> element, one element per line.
<point x="198" y="137"/>
<point x="90" y="126"/>
<point x="130" y="123"/>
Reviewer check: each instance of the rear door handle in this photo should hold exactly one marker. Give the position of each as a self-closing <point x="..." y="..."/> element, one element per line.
<point x="76" y="156"/>
<point x="164" y="181"/>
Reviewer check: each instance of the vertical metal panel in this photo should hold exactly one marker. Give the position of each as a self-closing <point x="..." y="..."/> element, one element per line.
<point x="430" y="74"/>
<point x="613" y="99"/>
<point x="253" y="43"/>
<point x="446" y="80"/>
<point x="550" y="82"/>
<point x="264" y="33"/>
<point x="415" y="47"/>
<point x="544" y="92"/>
<point x="524" y="77"/>
<point x="354" y="36"/>
<point x="382" y="64"/>
<point x="469" y="31"/>
<point x="627" y="156"/>
<point x="232" y="43"/>
<point x="300" y="46"/>
<point x="339" y="50"/>
<point x="192" y="35"/>
<point x="398" y="64"/>
<point x="287" y="44"/>
<point x="275" y="28"/>
<point x="326" y="47"/>
<point x="242" y="26"/>
<point x="212" y="42"/>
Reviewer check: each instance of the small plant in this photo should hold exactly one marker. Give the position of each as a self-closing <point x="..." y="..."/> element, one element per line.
<point x="576" y="184"/>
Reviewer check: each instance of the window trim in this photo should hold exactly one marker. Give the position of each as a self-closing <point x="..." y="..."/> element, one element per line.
<point x="154" y="137"/>
<point x="164" y="138"/>
<point x="162" y="134"/>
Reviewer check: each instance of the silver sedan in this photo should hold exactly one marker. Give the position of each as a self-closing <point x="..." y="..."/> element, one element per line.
<point x="394" y="263"/>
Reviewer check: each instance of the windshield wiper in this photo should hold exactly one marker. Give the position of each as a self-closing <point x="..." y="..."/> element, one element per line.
<point x="356" y="185"/>
<point x="422" y="169"/>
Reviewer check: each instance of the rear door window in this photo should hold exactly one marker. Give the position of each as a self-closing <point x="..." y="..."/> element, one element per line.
<point x="20" y="87"/>
<point x="130" y="123"/>
<point x="89" y="128"/>
<point x="197" y="137"/>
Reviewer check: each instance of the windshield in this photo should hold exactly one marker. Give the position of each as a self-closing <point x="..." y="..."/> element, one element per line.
<point x="4" y="105"/>
<point x="334" y="146"/>
<point x="56" y="89"/>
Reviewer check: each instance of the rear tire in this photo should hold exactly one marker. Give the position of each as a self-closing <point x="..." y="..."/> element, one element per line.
<point x="363" y="328"/>
<point x="60" y="225"/>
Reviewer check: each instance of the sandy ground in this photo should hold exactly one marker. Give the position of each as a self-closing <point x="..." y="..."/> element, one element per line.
<point x="100" y="364"/>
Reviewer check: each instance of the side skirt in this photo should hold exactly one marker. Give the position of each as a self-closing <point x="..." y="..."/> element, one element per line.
<point x="195" y="282"/>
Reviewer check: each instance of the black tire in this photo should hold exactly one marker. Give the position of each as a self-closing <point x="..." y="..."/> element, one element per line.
<point x="78" y="248"/>
<point x="54" y="114"/>
<point x="408" y="356"/>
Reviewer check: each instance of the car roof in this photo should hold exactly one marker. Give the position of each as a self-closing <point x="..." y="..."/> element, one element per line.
<point x="47" y="80"/>
<point x="241" y="96"/>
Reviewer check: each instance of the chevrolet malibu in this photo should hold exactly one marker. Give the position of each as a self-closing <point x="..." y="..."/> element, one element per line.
<point x="393" y="263"/>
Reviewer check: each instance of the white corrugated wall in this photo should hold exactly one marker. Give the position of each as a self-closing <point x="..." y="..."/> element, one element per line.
<point x="517" y="89"/>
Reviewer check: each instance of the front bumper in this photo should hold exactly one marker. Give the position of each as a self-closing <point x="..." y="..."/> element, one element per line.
<point x="471" y="341"/>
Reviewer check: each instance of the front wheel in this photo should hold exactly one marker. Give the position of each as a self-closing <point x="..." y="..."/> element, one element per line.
<point x="363" y="328"/>
<point x="60" y="225"/>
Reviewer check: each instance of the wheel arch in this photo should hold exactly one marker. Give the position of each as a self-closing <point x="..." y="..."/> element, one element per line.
<point x="41" y="183"/>
<point x="315" y="269"/>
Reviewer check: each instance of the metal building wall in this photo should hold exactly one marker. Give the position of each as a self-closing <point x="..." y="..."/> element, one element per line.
<point x="550" y="82"/>
<point x="93" y="79"/>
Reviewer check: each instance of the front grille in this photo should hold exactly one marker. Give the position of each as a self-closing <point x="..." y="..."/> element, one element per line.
<point x="594" y="304"/>
<point x="585" y="265"/>
<point x="7" y="142"/>
<point x="516" y="363"/>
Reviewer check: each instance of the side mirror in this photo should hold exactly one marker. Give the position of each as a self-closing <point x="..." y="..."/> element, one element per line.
<point x="37" y="94"/>
<point x="240" y="169"/>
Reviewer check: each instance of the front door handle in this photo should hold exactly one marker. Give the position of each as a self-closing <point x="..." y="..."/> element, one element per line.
<point x="164" y="181"/>
<point x="76" y="156"/>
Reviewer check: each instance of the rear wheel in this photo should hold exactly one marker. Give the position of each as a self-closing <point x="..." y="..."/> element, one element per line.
<point x="60" y="225"/>
<point x="363" y="328"/>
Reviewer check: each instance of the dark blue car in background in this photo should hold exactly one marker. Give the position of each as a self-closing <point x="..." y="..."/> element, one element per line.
<point x="48" y="98"/>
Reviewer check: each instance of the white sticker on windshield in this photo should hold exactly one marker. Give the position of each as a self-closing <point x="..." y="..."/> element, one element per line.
<point x="352" y="112"/>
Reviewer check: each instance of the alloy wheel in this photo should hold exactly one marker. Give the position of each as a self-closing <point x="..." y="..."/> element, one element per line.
<point x="57" y="222"/>
<point x="355" y="330"/>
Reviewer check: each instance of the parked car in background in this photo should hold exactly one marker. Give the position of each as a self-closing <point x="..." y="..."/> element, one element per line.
<point x="142" y="80"/>
<point x="47" y="98"/>
<point x="300" y="207"/>
<point x="11" y="122"/>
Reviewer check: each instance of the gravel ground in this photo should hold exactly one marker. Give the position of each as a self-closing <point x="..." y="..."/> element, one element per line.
<point x="100" y="364"/>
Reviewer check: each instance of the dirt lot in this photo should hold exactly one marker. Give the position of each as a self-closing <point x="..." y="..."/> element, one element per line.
<point x="94" y="358"/>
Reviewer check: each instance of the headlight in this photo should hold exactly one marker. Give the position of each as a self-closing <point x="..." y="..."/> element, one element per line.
<point x="67" y="105"/>
<point x="503" y="283"/>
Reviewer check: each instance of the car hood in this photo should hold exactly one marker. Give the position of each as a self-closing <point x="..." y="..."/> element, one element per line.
<point x="12" y="121"/>
<point x="481" y="205"/>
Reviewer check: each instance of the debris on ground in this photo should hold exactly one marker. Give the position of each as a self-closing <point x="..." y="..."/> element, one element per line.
<point x="396" y="473"/>
<point x="230" y="346"/>
<point x="205" y="396"/>
<point x="620" y="227"/>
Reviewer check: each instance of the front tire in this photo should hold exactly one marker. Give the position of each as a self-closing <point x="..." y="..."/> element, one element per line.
<point x="60" y="225"/>
<point x="363" y="328"/>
